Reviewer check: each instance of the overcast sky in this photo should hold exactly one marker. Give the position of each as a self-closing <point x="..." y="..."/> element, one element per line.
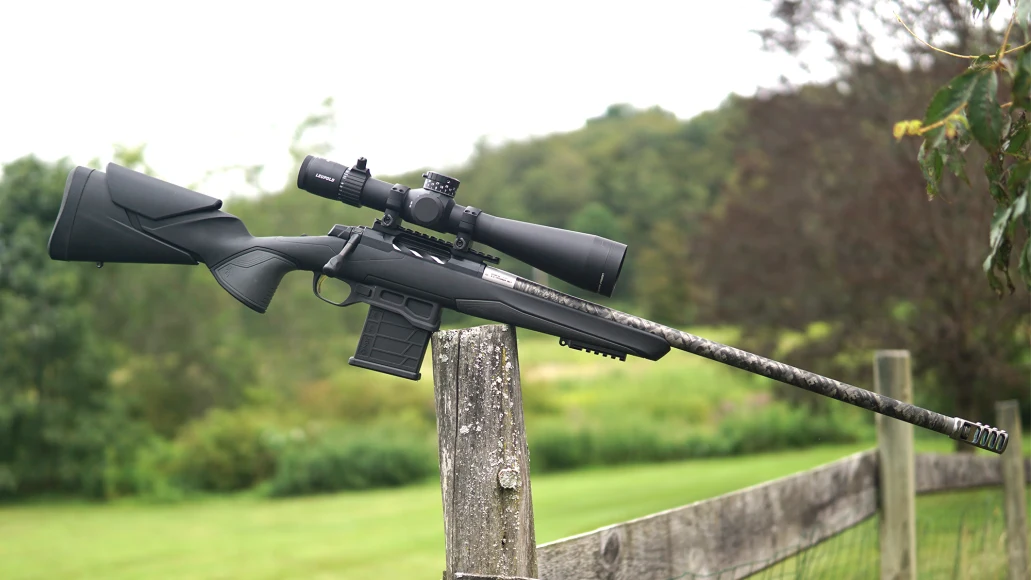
<point x="208" y="84"/>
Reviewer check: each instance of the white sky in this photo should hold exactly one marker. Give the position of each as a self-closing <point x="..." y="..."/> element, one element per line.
<point x="208" y="84"/>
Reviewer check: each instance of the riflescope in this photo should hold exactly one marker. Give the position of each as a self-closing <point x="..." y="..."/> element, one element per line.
<point x="589" y="262"/>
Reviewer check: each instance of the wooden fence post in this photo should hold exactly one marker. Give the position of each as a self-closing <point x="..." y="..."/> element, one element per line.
<point x="484" y="462"/>
<point x="897" y="484"/>
<point x="1008" y="416"/>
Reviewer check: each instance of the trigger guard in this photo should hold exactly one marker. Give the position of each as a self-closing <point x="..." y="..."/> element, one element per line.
<point x="316" y="283"/>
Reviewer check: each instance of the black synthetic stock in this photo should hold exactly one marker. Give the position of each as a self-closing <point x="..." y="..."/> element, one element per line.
<point x="90" y="227"/>
<point x="125" y="216"/>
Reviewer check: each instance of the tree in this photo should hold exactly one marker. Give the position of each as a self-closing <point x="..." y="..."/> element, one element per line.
<point x="828" y="234"/>
<point x="137" y="351"/>
<point x="61" y="428"/>
<point x="984" y="104"/>
<point x="639" y="168"/>
<point x="665" y="287"/>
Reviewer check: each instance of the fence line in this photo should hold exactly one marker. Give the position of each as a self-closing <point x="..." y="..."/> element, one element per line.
<point x="762" y="522"/>
<point x="944" y="472"/>
<point x="750" y="526"/>
<point x="728" y="537"/>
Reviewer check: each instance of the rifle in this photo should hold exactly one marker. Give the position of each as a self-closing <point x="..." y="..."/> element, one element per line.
<point x="406" y="277"/>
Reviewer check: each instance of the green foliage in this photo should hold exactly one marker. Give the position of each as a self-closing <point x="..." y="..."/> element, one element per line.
<point x="595" y="218"/>
<point x="351" y="396"/>
<point x="823" y="226"/>
<point x="985" y="8"/>
<point x="351" y="458"/>
<point x="948" y="101"/>
<point x="561" y="444"/>
<point x="354" y="431"/>
<point x="153" y="472"/>
<point x="666" y="277"/>
<point x="225" y="451"/>
<point x="777" y="427"/>
<point x="1001" y="130"/>
<point x="622" y="175"/>
<point x="983" y="109"/>
<point x="60" y="427"/>
<point x="1022" y="81"/>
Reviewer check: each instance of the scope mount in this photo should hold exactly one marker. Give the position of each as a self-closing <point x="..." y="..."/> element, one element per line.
<point x="391" y="223"/>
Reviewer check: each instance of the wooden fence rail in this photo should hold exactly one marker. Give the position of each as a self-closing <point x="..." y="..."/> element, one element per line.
<point x="477" y="386"/>
<point x="760" y="523"/>
<point x="765" y="523"/>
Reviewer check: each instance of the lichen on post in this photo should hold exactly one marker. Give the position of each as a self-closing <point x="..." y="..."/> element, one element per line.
<point x="484" y="461"/>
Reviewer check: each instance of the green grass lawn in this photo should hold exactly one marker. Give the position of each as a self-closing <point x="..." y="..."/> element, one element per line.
<point x="367" y="535"/>
<point x="378" y="534"/>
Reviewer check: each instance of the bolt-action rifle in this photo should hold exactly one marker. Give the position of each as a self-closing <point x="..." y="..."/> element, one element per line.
<point x="406" y="277"/>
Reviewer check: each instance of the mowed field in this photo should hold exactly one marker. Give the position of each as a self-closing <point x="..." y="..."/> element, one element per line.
<point x="369" y="535"/>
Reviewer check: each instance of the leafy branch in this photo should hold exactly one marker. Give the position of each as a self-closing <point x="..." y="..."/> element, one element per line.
<point x="966" y="111"/>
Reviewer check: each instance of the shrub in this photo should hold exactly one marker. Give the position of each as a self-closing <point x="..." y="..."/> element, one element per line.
<point x="229" y="451"/>
<point x="349" y="458"/>
<point x="778" y="426"/>
<point x="224" y="451"/>
<point x="153" y="476"/>
<point x="558" y="443"/>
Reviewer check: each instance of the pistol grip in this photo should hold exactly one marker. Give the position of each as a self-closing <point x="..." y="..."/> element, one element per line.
<point x="252" y="276"/>
<point x="396" y="334"/>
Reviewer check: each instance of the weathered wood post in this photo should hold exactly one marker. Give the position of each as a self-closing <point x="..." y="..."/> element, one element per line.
<point x="897" y="484"/>
<point x="484" y="462"/>
<point x="1007" y="414"/>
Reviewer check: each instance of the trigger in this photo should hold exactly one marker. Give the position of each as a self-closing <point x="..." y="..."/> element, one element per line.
<point x="316" y="287"/>
<point x="356" y="294"/>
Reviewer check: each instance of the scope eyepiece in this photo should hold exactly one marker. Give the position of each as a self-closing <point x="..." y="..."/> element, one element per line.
<point x="332" y="180"/>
